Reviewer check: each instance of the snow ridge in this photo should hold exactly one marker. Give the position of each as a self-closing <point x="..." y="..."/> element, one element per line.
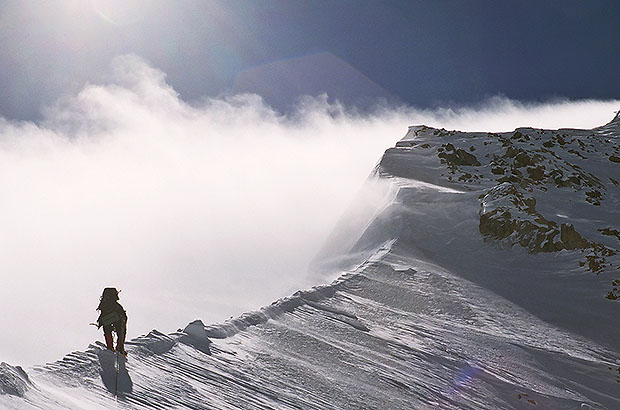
<point x="485" y="289"/>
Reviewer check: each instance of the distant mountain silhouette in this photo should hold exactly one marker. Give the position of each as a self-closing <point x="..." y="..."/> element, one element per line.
<point x="282" y="82"/>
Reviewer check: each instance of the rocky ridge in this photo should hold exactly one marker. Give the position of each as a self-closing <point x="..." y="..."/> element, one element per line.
<point x="520" y="176"/>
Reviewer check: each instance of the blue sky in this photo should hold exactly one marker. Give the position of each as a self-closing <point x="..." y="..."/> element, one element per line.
<point x="421" y="53"/>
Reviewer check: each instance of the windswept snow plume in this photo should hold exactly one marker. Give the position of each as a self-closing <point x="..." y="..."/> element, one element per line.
<point x="194" y="210"/>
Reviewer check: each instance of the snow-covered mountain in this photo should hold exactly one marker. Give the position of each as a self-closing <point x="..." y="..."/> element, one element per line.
<point x="487" y="280"/>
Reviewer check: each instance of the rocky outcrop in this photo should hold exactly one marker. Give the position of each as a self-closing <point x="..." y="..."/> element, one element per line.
<point x="506" y="213"/>
<point x="454" y="157"/>
<point x="521" y="176"/>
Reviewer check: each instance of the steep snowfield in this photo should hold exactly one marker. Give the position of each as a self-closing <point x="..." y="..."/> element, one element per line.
<point x="487" y="281"/>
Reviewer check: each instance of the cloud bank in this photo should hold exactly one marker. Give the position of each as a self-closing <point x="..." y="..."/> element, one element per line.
<point x="200" y="210"/>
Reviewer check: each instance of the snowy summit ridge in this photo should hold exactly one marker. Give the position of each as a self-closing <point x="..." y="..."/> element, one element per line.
<point x="570" y="175"/>
<point x="488" y="280"/>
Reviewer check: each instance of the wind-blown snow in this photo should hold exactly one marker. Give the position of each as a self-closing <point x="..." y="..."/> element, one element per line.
<point x="218" y="205"/>
<point x="470" y="295"/>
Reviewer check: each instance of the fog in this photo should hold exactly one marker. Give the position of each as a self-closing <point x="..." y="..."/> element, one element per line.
<point x="201" y="209"/>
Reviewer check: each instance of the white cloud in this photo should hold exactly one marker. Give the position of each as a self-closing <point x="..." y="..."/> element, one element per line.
<point x="193" y="210"/>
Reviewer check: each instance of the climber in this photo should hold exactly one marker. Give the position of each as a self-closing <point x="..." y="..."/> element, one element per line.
<point x="113" y="318"/>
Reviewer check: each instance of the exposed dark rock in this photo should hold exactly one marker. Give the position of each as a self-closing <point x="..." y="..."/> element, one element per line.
<point x="614" y="294"/>
<point x="571" y="239"/>
<point x="522" y="160"/>
<point x="459" y="157"/>
<point x="536" y="173"/>
<point x="594" y="197"/>
<point x="560" y="139"/>
<point x="511" y="152"/>
<point x="507" y="212"/>
<point x="610" y="232"/>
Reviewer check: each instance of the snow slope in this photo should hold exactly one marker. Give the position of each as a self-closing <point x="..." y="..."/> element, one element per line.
<point x="487" y="281"/>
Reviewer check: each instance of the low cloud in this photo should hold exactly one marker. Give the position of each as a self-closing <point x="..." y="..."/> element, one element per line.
<point x="201" y="210"/>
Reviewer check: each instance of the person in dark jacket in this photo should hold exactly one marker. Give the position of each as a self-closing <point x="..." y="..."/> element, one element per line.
<point x="113" y="318"/>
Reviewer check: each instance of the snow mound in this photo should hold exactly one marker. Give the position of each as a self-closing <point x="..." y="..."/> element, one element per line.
<point x="195" y="334"/>
<point x="13" y="380"/>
